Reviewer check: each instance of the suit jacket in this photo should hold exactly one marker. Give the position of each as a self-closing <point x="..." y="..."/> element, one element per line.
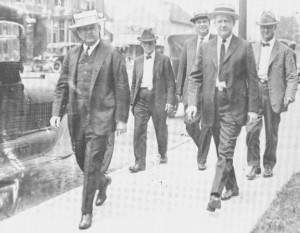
<point x="187" y="60"/>
<point x="239" y="74"/>
<point x="109" y="90"/>
<point x="282" y="74"/>
<point x="163" y="80"/>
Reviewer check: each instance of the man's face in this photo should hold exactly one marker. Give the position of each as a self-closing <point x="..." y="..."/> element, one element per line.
<point x="267" y="32"/>
<point x="224" y="24"/>
<point x="148" y="46"/>
<point x="89" y="34"/>
<point x="202" y="26"/>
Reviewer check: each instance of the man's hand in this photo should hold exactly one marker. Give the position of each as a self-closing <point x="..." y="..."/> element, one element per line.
<point x="191" y="112"/>
<point x="252" y="116"/>
<point x="169" y="108"/>
<point x="121" y="128"/>
<point x="55" y="121"/>
<point x="287" y="101"/>
<point x="179" y="98"/>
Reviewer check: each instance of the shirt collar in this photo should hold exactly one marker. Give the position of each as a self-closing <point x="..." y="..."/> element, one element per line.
<point x="227" y="39"/>
<point x="151" y="54"/>
<point x="92" y="47"/>
<point x="205" y="38"/>
<point x="271" y="42"/>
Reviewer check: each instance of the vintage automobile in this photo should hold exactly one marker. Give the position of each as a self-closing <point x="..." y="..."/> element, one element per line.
<point x="60" y="49"/>
<point x="26" y="138"/>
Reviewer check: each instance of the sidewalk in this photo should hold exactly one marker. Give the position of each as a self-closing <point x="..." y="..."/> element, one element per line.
<point x="172" y="197"/>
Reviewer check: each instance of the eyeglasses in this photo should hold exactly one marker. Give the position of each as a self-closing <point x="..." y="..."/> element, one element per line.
<point x="87" y="28"/>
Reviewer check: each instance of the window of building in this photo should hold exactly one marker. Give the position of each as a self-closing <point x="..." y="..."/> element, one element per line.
<point x="60" y="3"/>
<point x="61" y="31"/>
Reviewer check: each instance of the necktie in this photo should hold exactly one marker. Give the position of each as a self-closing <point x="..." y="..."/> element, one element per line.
<point x="86" y="52"/>
<point x="222" y="55"/>
<point x="148" y="57"/>
<point x="265" y="44"/>
<point x="202" y="39"/>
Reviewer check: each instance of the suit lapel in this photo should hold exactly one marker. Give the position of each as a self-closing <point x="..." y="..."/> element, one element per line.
<point x="102" y="52"/>
<point x="140" y="70"/>
<point x="231" y="48"/>
<point x="157" y="61"/>
<point x="256" y="50"/>
<point x="214" y="52"/>
<point x="73" y="67"/>
<point x="274" y="52"/>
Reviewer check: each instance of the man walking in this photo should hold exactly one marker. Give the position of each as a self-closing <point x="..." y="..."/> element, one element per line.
<point x="152" y="95"/>
<point x="276" y="70"/>
<point x="94" y="84"/>
<point x="201" y="137"/>
<point x="224" y="72"/>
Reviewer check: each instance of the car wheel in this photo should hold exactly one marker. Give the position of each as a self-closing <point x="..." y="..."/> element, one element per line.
<point x="36" y="66"/>
<point x="57" y="66"/>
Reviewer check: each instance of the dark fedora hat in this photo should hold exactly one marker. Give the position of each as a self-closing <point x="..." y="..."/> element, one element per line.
<point x="199" y="15"/>
<point x="147" y="35"/>
<point x="224" y="9"/>
<point x="267" y="18"/>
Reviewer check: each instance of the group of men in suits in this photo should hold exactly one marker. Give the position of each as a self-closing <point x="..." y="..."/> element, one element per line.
<point x="223" y="81"/>
<point x="235" y="83"/>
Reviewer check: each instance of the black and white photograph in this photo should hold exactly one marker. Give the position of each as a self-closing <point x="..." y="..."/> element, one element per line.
<point x="154" y="116"/>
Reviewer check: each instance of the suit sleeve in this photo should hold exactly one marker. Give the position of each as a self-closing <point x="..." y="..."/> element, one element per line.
<point x="61" y="93"/>
<point x="170" y="81"/>
<point x="290" y="75"/>
<point x="133" y="83"/>
<point x="196" y="79"/>
<point x="122" y="91"/>
<point x="252" y="81"/>
<point x="182" y="71"/>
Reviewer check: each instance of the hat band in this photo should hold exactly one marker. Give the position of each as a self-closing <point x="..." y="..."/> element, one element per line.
<point x="224" y="9"/>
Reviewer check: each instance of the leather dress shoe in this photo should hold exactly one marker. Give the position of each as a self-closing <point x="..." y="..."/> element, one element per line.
<point x="230" y="193"/>
<point x="136" y="168"/>
<point x="268" y="172"/>
<point x="201" y="166"/>
<point x="163" y="159"/>
<point x="102" y="192"/>
<point x="214" y="203"/>
<point x="86" y="221"/>
<point x="254" y="171"/>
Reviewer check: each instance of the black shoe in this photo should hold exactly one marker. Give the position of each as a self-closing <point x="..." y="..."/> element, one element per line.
<point x="214" y="203"/>
<point x="102" y="192"/>
<point x="268" y="172"/>
<point x="254" y="171"/>
<point x="163" y="159"/>
<point x="136" y="168"/>
<point x="86" y="221"/>
<point x="230" y="193"/>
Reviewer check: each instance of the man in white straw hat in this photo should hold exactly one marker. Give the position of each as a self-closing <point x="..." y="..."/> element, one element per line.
<point x="277" y="74"/>
<point x="201" y="137"/>
<point x="224" y="71"/>
<point x="94" y="84"/>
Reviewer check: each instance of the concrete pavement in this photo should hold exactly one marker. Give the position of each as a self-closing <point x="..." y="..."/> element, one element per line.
<point x="171" y="197"/>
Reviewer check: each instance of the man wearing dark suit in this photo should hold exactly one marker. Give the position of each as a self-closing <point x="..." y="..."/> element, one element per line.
<point x="201" y="137"/>
<point x="94" y="84"/>
<point x="152" y="95"/>
<point x="224" y="72"/>
<point x="277" y="74"/>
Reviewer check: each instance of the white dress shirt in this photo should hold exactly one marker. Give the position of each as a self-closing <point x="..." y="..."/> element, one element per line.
<point x="205" y="39"/>
<point x="219" y="43"/>
<point x="147" y="80"/>
<point x="92" y="47"/>
<point x="264" y="59"/>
